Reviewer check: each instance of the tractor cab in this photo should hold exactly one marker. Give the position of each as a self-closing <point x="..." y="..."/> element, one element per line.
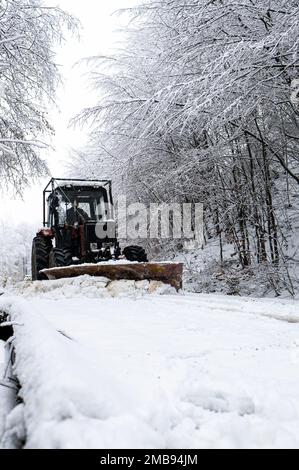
<point x="79" y="218"/>
<point x="75" y="201"/>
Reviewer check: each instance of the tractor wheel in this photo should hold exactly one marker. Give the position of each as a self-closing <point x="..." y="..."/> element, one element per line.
<point x="135" y="253"/>
<point x="68" y="257"/>
<point x="41" y="248"/>
<point x="57" y="258"/>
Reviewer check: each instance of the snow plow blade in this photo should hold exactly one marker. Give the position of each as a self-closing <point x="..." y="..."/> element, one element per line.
<point x="169" y="273"/>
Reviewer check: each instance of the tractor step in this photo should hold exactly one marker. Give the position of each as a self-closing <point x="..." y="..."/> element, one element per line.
<point x="169" y="273"/>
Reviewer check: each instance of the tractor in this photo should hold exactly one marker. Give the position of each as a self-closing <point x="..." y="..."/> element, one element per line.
<point x="78" y="227"/>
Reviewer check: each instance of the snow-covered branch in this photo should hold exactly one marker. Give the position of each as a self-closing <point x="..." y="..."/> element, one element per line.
<point x="28" y="80"/>
<point x="202" y="106"/>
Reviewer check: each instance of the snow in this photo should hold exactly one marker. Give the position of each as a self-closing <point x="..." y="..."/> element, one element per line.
<point x="88" y="287"/>
<point x="111" y="262"/>
<point x="7" y="394"/>
<point x="152" y="371"/>
<point x="1" y="388"/>
<point x="1" y="355"/>
<point x="203" y="271"/>
<point x="2" y="411"/>
<point x="81" y="182"/>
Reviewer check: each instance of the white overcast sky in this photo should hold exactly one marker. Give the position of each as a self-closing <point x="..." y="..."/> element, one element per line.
<point x="100" y="33"/>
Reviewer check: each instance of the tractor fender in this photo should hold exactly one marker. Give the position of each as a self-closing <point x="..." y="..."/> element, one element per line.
<point x="45" y="232"/>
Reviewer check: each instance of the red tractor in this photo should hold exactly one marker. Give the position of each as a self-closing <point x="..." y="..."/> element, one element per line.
<point x="78" y="227"/>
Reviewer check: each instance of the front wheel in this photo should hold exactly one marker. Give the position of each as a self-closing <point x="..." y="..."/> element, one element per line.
<point x="135" y="253"/>
<point x="41" y="248"/>
<point x="59" y="258"/>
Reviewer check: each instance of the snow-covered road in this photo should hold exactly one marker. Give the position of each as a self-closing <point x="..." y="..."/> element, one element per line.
<point x="185" y="371"/>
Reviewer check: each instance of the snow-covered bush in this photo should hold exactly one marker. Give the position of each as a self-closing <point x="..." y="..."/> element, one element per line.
<point x="15" y="252"/>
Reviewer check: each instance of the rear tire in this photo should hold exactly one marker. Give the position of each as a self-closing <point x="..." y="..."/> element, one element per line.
<point x="135" y="253"/>
<point x="41" y="248"/>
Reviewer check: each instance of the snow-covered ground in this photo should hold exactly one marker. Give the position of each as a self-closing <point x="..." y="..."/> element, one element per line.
<point x="154" y="371"/>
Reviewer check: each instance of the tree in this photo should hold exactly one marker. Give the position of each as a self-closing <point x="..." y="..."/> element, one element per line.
<point x="199" y="107"/>
<point x="28" y="78"/>
<point x="15" y="252"/>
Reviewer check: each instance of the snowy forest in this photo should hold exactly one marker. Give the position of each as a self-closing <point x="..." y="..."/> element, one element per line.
<point x="202" y="105"/>
<point x="199" y="105"/>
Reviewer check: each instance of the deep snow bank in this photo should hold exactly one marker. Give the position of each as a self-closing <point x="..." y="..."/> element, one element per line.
<point x="87" y="286"/>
